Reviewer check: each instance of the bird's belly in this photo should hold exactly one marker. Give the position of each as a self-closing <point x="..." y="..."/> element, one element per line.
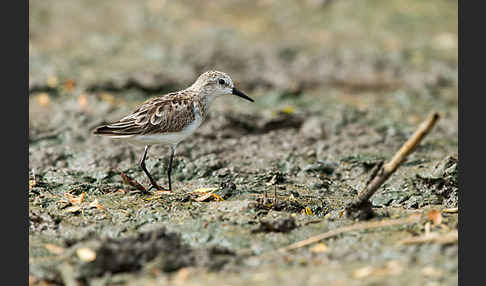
<point x="169" y="137"/>
<point x="166" y="138"/>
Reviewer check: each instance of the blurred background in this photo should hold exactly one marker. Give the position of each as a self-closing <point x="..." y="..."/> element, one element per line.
<point x="338" y="85"/>
<point x="356" y="50"/>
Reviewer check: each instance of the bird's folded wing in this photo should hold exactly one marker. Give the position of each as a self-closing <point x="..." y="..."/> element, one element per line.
<point x="159" y="115"/>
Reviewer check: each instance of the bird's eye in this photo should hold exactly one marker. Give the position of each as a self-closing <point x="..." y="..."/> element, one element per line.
<point x="221" y="81"/>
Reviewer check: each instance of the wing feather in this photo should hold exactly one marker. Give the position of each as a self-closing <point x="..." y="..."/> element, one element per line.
<point x="170" y="113"/>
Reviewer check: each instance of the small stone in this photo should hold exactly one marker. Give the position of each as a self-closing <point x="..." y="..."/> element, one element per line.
<point x="321" y="167"/>
<point x="86" y="254"/>
<point x="278" y="225"/>
<point x="317" y="186"/>
<point x="313" y="128"/>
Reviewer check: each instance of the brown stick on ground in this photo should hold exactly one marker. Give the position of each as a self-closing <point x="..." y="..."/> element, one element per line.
<point x="360" y="207"/>
<point x="355" y="227"/>
<point x="131" y="182"/>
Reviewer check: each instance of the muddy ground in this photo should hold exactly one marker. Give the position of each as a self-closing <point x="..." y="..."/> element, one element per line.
<point x="338" y="87"/>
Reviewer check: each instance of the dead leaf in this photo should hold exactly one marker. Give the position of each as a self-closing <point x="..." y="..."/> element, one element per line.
<point x="363" y="272"/>
<point x="96" y="204"/>
<point x="73" y="209"/>
<point x="83" y="101"/>
<point x="218" y="198"/>
<point x="204" y="197"/>
<point x="308" y="211"/>
<point x="121" y="191"/>
<point x="158" y="194"/>
<point x="288" y="110"/>
<point x="206" y="194"/>
<point x="163" y="192"/>
<point x="391" y="268"/>
<point x="181" y="276"/>
<point x="63" y="203"/>
<point x="445" y="41"/>
<point x="54" y="249"/>
<point x="75" y="200"/>
<point x="86" y="254"/>
<point x="432" y="272"/>
<point x="320" y="247"/>
<point x="69" y="85"/>
<point x="435" y="216"/>
<point x="32" y="280"/>
<point x="52" y="81"/>
<point x="156" y="5"/>
<point x="427" y="228"/>
<point x="43" y="99"/>
<point x="105" y="96"/>
<point x="32" y="184"/>
<point x="204" y="190"/>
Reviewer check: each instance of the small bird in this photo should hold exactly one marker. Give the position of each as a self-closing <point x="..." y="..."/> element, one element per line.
<point x="172" y="117"/>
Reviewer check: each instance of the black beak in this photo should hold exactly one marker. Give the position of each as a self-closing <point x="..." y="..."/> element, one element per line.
<point x="241" y="94"/>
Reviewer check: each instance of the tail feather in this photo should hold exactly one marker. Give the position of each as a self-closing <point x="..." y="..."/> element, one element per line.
<point x="109" y="131"/>
<point x="102" y="130"/>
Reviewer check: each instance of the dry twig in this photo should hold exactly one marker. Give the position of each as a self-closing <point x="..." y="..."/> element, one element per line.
<point x="450" y="210"/>
<point x="360" y="207"/>
<point x="132" y="182"/>
<point x="447" y="238"/>
<point x="355" y="227"/>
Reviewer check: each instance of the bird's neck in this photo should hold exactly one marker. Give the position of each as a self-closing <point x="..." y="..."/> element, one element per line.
<point x="203" y="104"/>
<point x="202" y="100"/>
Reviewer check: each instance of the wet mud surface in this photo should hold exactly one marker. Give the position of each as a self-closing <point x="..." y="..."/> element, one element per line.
<point x="330" y="104"/>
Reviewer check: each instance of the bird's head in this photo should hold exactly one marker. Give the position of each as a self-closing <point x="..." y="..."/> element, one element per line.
<point x="215" y="83"/>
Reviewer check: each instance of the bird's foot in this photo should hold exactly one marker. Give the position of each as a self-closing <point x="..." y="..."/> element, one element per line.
<point x="157" y="187"/>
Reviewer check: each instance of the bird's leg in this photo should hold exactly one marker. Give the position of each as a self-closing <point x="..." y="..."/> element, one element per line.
<point x="169" y="169"/>
<point x="142" y="165"/>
